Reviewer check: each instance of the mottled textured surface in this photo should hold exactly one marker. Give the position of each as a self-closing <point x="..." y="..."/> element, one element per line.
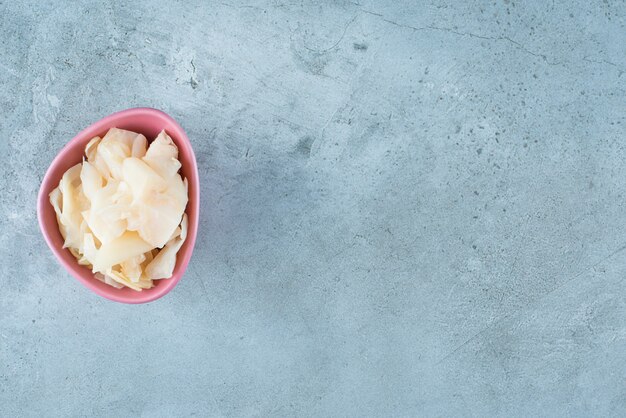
<point x="408" y="209"/>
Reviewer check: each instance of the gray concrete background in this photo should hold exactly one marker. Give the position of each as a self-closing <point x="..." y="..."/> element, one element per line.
<point x="408" y="209"/>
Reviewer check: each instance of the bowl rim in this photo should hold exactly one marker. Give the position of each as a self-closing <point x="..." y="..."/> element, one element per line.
<point x="75" y="269"/>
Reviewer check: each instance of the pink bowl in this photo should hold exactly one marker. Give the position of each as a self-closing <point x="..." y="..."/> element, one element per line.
<point x="148" y="122"/>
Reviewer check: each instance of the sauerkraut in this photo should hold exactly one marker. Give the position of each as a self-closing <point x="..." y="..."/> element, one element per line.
<point x="121" y="211"/>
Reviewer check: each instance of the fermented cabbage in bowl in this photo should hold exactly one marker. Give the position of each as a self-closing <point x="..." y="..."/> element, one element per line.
<point x="121" y="211"/>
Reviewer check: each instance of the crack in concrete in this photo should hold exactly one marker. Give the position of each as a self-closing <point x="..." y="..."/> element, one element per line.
<point x="513" y="42"/>
<point x="603" y="61"/>
<point x="518" y="45"/>
<point x="343" y="35"/>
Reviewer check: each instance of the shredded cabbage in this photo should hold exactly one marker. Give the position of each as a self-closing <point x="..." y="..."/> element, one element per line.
<point x="121" y="211"/>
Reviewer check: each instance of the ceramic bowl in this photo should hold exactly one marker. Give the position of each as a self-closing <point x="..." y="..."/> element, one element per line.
<point x="148" y="122"/>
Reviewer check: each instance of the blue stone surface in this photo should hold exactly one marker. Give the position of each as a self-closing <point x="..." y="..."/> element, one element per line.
<point x="408" y="209"/>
